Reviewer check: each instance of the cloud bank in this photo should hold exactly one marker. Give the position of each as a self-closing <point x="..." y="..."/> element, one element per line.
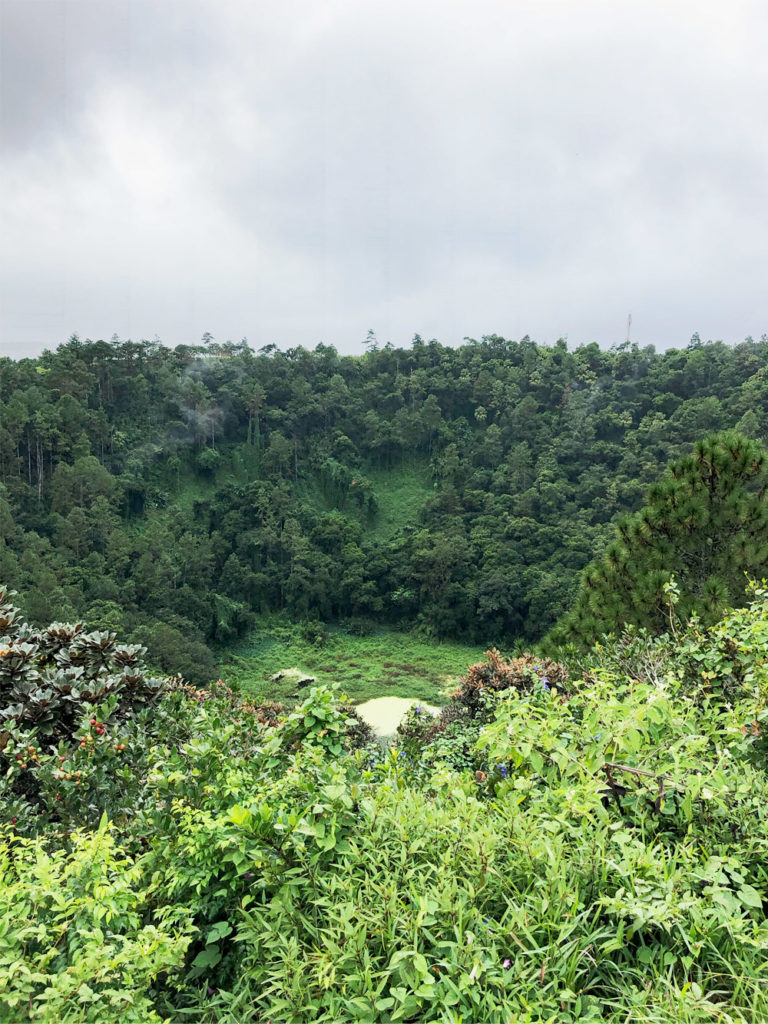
<point x="302" y="172"/>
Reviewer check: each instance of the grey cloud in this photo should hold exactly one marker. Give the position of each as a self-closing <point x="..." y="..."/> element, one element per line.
<point x="55" y="53"/>
<point x="301" y="172"/>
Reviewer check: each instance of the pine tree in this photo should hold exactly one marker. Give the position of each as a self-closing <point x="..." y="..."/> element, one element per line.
<point x="706" y="521"/>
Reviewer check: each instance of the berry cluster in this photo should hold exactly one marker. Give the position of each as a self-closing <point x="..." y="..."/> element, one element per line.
<point x="27" y="755"/>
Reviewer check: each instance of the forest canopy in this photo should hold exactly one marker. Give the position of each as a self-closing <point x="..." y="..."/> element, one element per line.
<point x="567" y="838"/>
<point x="175" y="495"/>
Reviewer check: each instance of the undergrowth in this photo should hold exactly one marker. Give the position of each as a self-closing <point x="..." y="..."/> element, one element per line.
<point x="563" y="850"/>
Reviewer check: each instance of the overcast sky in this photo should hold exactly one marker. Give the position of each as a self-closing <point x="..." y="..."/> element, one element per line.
<point x="301" y="171"/>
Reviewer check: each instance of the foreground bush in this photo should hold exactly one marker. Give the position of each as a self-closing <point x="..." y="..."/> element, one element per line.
<point x="523" y="674"/>
<point x="47" y="676"/>
<point x="603" y="857"/>
<point x="727" y="661"/>
<point x="450" y="738"/>
<point x="79" y="942"/>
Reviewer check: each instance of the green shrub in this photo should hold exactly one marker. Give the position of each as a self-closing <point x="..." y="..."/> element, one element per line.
<point x="47" y="676"/>
<point x="523" y="674"/>
<point x="315" y="633"/>
<point x="79" y="941"/>
<point x="727" y="661"/>
<point x="588" y="852"/>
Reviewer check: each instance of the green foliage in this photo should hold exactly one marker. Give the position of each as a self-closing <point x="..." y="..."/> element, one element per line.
<point x="50" y="677"/>
<point x="400" y="493"/>
<point x="707" y="521"/>
<point x="433" y="902"/>
<point x="172" y="651"/>
<point x="524" y="674"/>
<point x="724" y="662"/>
<point x="173" y="495"/>
<point x="549" y="848"/>
<point x="561" y="855"/>
<point x="447" y="740"/>
<point x="380" y="662"/>
<point x="79" y="940"/>
<point x="729" y="659"/>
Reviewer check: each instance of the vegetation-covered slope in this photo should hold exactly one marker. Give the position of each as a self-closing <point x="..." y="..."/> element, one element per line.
<point x="554" y="849"/>
<point x="174" y="495"/>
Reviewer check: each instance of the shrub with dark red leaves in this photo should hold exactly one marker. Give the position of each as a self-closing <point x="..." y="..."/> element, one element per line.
<point x="525" y="673"/>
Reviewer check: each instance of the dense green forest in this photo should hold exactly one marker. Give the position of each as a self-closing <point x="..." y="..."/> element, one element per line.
<point x="576" y="834"/>
<point x="178" y="495"/>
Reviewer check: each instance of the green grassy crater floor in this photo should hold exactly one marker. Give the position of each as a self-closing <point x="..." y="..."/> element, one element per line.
<point x="384" y="664"/>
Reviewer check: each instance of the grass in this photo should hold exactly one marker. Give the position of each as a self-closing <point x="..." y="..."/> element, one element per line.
<point x="385" y="664"/>
<point x="192" y="488"/>
<point x="236" y="467"/>
<point x="400" y="493"/>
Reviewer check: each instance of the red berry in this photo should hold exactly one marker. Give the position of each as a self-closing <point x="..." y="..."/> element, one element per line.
<point x="14" y="820"/>
<point x="93" y="721"/>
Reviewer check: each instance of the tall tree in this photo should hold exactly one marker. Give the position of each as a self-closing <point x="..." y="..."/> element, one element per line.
<point x="706" y="521"/>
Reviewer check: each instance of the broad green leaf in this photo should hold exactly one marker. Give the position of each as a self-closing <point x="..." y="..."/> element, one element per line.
<point x="750" y="897"/>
